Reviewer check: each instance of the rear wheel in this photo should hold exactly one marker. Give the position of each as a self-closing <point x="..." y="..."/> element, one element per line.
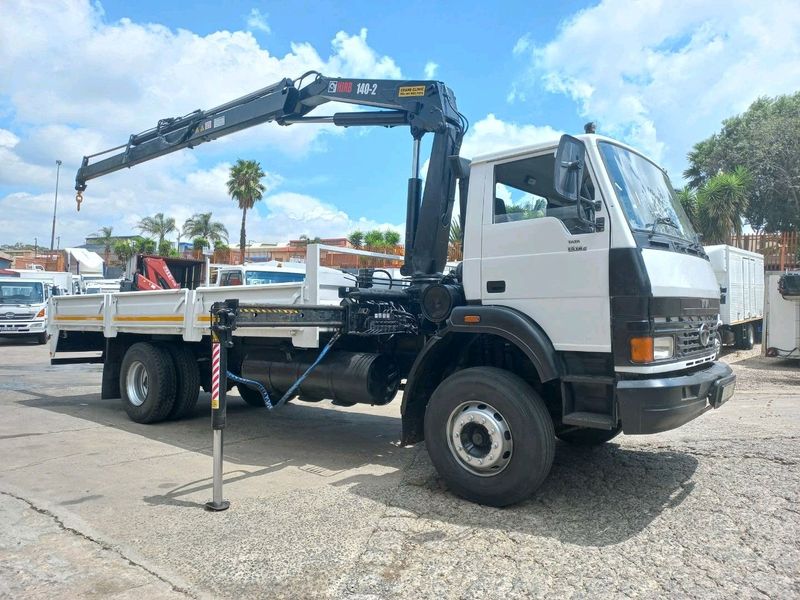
<point x="147" y="383"/>
<point x="745" y="337"/>
<point x="187" y="387"/>
<point x="489" y="435"/>
<point x="584" y="436"/>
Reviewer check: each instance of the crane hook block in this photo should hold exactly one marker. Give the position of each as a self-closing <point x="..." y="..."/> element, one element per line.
<point x="78" y="200"/>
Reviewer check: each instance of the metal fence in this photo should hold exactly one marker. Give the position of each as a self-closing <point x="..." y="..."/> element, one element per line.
<point x="780" y="250"/>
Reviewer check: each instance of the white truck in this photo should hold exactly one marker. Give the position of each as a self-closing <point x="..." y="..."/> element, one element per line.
<point x="782" y="315"/>
<point x="23" y="308"/>
<point x="740" y="274"/>
<point x="61" y="282"/>
<point x="584" y="307"/>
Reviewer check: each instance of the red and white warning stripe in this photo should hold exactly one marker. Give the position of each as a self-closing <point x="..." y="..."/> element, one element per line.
<point x="214" y="373"/>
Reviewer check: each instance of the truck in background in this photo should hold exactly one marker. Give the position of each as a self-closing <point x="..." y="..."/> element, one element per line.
<point x="740" y="274"/>
<point x="782" y="315"/>
<point x="61" y="282"/>
<point x="23" y="308"/>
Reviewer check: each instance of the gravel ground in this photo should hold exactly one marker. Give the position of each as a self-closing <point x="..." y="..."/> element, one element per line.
<point x="325" y="505"/>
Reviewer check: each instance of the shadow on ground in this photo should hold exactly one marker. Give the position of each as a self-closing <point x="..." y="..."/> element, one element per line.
<point x="594" y="497"/>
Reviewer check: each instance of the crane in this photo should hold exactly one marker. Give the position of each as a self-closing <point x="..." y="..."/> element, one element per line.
<point x="423" y="106"/>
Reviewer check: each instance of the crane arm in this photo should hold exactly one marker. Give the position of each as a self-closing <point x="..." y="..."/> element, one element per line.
<point x="423" y="106"/>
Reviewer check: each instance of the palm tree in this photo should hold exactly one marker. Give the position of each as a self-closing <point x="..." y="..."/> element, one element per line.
<point x="105" y="237"/>
<point x="455" y="233"/>
<point x="244" y="186"/>
<point x="391" y="238"/>
<point x="200" y="225"/>
<point x="374" y="239"/>
<point x="721" y="203"/>
<point x="356" y="239"/>
<point x="158" y="226"/>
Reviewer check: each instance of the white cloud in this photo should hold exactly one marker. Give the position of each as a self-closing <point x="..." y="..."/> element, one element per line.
<point x="663" y="75"/>
<point x="76" y="84"/>
<point x="491" y="134"/>
<point x="257" y="21"/>
<point x="430" y="69"/>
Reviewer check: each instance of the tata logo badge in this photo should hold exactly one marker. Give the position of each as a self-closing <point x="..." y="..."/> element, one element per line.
<point x="705" y="334"/>
<point x="9" y="316"/>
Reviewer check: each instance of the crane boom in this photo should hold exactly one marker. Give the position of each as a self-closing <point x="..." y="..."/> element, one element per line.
<point x="423" y="106"/>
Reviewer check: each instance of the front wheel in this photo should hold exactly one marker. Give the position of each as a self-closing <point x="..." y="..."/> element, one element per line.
<point x="41" y="338"/>
<point x="489" y="435"/>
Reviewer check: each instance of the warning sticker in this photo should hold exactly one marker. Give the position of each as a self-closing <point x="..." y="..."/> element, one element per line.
<point x="411" y="90"/>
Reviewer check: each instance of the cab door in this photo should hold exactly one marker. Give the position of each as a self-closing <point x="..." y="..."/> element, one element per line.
<point x="541" y="258"/>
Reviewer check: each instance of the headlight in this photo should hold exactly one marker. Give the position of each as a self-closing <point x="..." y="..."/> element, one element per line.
<point x="647" y="349"/>
<point x="663" y="347"/>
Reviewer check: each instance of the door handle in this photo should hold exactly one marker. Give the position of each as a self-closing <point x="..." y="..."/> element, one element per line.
<point x="495" y="287"/>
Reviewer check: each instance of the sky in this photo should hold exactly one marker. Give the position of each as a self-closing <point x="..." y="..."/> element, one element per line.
<point x="77" y="77"/>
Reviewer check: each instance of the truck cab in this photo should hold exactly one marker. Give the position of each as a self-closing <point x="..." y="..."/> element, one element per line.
<point x="23" y="308"/>
<point x="612" y="283"/>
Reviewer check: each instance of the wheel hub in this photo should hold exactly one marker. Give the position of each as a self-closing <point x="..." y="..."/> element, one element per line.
<point x="136" y="383"/>
<point x="479" y="438"/>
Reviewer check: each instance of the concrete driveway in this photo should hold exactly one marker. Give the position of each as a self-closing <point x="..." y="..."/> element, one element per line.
<point x="325" y="504"/>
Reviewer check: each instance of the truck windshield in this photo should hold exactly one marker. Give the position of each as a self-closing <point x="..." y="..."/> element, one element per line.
<point x="263" y="277"/>
<point x="646" y="194"/>
<point x="21" y="292"/>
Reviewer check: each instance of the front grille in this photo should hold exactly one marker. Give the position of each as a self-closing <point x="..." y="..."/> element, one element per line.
<point x="687" y="334"/>
<point x="15" y="317"/>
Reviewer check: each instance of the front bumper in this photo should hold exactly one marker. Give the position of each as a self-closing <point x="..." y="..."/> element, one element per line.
<point x="654" y="405"/>
<point x="22" y="327"/>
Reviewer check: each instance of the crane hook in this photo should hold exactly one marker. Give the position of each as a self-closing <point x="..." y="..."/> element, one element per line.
<point x="78" y="200"/>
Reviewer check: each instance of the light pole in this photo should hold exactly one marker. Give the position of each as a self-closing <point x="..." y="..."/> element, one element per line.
<point x="55" y="207"/>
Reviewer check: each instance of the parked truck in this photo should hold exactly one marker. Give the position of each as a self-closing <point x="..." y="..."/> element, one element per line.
<point x="23" y="308"/>
<point x="740" y="275"/>
<point x="584" y="306"/>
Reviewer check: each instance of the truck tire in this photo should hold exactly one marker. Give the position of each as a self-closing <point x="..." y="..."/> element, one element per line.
<point x="489" y="435"/>
<point x="585" y="436"/>
<point x="41" y="338"/>
<point x="147" y="383"/>
<point x="187" y="384"/>
<point x="745" y="337"/>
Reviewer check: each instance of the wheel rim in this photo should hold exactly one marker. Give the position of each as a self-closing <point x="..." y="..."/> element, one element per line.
<point x="136" y="383"/>
<point x="479" y="438"/>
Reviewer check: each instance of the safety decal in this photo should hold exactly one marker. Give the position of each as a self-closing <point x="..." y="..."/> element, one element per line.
<point x="411" y="90"/>
<point x="215" y="360"/>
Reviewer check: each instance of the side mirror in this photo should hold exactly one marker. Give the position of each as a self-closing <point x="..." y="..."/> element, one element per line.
<point x="570" y="163"/>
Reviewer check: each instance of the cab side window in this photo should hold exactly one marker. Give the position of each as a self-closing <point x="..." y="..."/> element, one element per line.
<point x="231" y="278"/>
<point x="523" y="190"/>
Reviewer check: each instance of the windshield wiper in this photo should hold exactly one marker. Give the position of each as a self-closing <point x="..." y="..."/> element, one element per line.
<point x="663" y="221"/>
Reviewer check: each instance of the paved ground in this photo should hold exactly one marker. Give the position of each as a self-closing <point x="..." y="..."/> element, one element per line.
<point x="325" y="505"/>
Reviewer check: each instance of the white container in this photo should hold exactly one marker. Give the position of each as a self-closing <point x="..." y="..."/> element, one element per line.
<point x="740" y="274"/>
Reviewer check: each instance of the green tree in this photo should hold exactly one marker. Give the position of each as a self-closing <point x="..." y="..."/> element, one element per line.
<point x="157" y="226"/>
<point x="765" y="140"/>
<point x="721" y="202"/>
<point x="391" y="238"/>
<point x="200" y="225"/>
<point x="305" y="240"/>
<point x="245" y="187"/>
<point x="123" y="250"/>
<point x="167" y="248"/>
<point x="199" y="243"/>
<point x="373" y="239"/>
<point x="456" y="235"/>
<point x="144" y="246"/>
<point x="356" y="239"/>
